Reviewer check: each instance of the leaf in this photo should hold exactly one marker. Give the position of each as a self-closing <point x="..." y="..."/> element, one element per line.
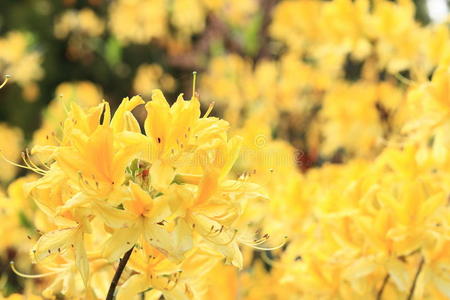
<point x="113" y="51"/>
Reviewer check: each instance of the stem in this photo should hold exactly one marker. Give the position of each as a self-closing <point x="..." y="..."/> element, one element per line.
<point x="413" y="286"/>
<point x="120" y="268"/>
<point x="383" y="285"/>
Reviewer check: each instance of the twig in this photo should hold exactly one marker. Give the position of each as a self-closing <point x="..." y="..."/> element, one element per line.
<point x="413" y="286"/>
<point x="120" y="268"/>
<point x="267" y="10"/>
<point x="383" y="285"/>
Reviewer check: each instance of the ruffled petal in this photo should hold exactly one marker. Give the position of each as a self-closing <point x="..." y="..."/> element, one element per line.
<point x="132" y="287"/>
<point x="120" y="242"/>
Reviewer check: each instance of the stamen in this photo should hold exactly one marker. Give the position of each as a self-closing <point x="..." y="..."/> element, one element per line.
<point x="173" y="278"/>
<point x="29" y="166"/>
<point x="267" y="259"/>
<point x="237" y="184"/>
<point x="64" y="105"/>
<point x="13" y="268"/>
<point x="27" y="155"/>
<point x="55" y="137"/>
<point x="266" y="248"/>
<point x="224" y="244"/>
<point x="5" y="81"/>
<point x="403" y="79"/>
<point x="21" y="166"/>
<point x="213" y="232"/>
<point x="210" y="108"/>
<point x="86" y="185"/>
<point x="194" y="80"/>
<point x="255" y="242"/>
<point x="40" y="160"/>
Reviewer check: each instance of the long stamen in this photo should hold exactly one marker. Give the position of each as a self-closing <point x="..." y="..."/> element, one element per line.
<point x="5" y="81"/>
<point x="55" y="137"/>
<point x="215" y="232"/>
<point x="266" y="248"/>
<point x="19" y="165"/>
<point x="28" y="165"/>
<point x="40" y="160"/>
<point x="13" y="268"/>
<point x="226" y="243"/>
<point x="31" y="162"/>
<point x="237" y="184"/>
<point x="210" y="108"/>
<point x="267" y="259"/>
<point x="85" y="184"/>
<point x="194" y="80"/>
<point x="171" y="280"/>
<point x="64" y="104"/>
<point x="255" y="242"/>
<point x="403" y="79"/>
<point x="32" y="166"/>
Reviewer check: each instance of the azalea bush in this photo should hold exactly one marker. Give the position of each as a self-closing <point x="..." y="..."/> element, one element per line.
<point x="200" y="149"/>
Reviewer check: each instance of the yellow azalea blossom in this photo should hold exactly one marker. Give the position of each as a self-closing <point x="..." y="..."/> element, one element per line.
<point x="144" y="219"/>
<point x="149" y="77"/>
<point x="214" y="205"/>
<point x="138" y="21"/>
<point x="69" y="236"/>
<point x="17" y="59"/>
<point x="84" y="21"/>
<point x="84" y="93"/>
<point x="182" y="281"/>
<point x="166" y="190"/>
<point x="175" y="132"/>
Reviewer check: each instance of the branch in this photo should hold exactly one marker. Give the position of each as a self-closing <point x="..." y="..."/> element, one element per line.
<point x="413" y="286"/>
<point x="120" y="268"/>
<point x="383" y="285"/>
<point x="267" y="10"/>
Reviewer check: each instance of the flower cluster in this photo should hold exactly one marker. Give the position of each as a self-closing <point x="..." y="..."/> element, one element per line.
<point x="20" y="61"/>
<point x="107" y="189"/>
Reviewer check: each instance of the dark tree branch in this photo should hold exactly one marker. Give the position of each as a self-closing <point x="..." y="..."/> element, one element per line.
<point x="267" y="10"/>
<point x="116" y="278"/>
<point x="413" y="286"/>
<point x="383" y="285"/>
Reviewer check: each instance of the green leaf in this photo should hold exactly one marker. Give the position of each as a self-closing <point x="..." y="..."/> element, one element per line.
<point x="25" y="222"/>
<point x="113" y="51"/>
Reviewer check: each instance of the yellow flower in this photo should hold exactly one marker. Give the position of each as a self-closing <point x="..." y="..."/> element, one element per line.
<point x="138" y="21"/>
<point x="84" y="93"/>
<point x="176" y="132"/>
<point x="150" y="76"/>
<point x="17" y="60"/>
<point x="69" y="236"/>
<point x="83" y="21"/>
<point x="184" y="281"/>
<point x="92" y="156"/>
<point x="144" y="218"/>
<point x="188" y="23"/>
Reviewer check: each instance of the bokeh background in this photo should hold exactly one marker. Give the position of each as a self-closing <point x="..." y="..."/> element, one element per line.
<point x="325" y="80"/>
<point x="125" y="49"/>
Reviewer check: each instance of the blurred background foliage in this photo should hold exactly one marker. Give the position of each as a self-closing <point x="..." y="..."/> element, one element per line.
<point x="112" y="64"/>
<point x="100" y="57"/>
